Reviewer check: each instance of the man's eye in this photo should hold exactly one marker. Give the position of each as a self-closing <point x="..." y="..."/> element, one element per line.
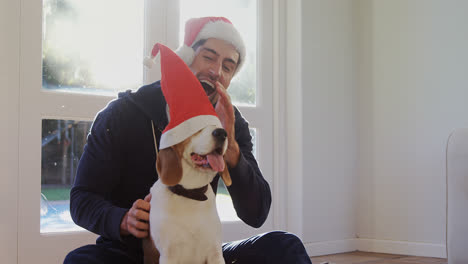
<point x="208" y="58"/>
<point x="227" y="69"/>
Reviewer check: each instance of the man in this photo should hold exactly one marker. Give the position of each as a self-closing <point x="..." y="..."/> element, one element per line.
<point x="117" y="169"/>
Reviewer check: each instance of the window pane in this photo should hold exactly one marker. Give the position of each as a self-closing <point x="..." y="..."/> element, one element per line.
<point x="62" y="146"/>
<point x="243" y="14"/>
<point x="92" y="46"/>
<point x="224" y="204"/>
<point x="253" y="133"/>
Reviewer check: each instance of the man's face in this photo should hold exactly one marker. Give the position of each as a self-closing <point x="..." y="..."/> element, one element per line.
<point x="215" y="61"/>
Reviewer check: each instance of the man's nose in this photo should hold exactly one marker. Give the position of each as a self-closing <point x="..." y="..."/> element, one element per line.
<point x="215" y="71"/>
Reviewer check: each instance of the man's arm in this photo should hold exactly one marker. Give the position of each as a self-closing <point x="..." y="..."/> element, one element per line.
<point x="98" y="173"/>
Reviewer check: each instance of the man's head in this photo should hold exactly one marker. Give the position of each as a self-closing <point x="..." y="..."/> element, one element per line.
<point x="214" y="51"/>
<point x="215" y="61"/>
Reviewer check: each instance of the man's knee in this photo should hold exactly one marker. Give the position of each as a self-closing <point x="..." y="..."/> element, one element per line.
<point x="100" y="254"/>
<point x="281" y="238"/>
<point x="72" y="258"/>
<point x="76" y="256"/>
<point x="92" y="254"/>
<point x="284" y="247"/>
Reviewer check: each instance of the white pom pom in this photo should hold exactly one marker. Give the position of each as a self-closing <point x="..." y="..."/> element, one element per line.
<point x="186" y="53"/>
<point x="149" y="62"/>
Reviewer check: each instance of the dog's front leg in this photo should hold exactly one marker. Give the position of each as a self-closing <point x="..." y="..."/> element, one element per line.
<point x="171" y="256"/>
<point x="168" y="260"/>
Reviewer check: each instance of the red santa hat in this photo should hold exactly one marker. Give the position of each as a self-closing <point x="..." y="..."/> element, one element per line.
<point x="190" y="109"/>
<point x="204" y="28"/>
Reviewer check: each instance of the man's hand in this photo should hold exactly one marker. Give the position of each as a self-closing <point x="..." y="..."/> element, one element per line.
<point x="226" y="115"/>
<point x="136" y="220"/>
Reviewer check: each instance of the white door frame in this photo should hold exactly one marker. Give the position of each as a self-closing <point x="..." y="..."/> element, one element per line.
<point x="280" y="69"/>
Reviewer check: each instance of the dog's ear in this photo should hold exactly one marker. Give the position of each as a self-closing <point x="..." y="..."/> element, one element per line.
<point x="226" y="176"/>
<point x="169" y="167"/>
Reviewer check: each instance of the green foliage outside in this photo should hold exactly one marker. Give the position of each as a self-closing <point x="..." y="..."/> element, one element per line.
<point x="56" y="194"/>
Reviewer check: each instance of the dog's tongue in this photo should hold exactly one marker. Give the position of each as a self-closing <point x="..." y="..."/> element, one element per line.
<point x="216" y="162"/>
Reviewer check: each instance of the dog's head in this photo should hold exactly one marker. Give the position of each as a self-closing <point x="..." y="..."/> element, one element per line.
<point x="195" y="161"/>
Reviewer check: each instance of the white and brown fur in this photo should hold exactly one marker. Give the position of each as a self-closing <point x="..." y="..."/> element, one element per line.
<point x="183" y="230"/>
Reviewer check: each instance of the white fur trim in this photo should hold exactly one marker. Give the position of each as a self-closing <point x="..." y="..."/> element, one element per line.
<point x="186" y="129"/>
<point x="186" y="53"/>
<point x="225" y="31"/>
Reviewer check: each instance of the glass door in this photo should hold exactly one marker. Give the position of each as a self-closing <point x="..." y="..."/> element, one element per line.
<point x="76" y="55"/>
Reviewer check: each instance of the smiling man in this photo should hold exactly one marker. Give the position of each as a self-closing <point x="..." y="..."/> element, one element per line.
<point x="117" y="169"/>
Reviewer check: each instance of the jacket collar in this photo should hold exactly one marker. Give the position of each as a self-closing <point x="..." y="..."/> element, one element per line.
<point x="150" y="100"/>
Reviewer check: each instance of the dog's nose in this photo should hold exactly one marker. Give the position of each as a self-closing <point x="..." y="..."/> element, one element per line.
<point x="220" y="134"/>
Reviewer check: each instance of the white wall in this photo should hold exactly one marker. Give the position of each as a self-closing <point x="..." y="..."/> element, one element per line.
<point x="384" y="83"/>
<point x="413" y="93"/>
<point x="9" y="90"/>
<point x="329" y="123"/>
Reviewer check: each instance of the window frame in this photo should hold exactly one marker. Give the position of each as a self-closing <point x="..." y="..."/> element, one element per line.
<point x="37" y="104"/>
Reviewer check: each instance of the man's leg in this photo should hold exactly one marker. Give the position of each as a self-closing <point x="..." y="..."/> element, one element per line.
<point x="99" y="254"/>
<point x="270" y="248"/>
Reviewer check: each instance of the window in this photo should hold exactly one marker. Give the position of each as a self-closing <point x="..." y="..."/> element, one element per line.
<point x="62" y="146"/>
<point x="82" y="53"/>
<point x="87" y="50"/>
<point x="75" y="56"/>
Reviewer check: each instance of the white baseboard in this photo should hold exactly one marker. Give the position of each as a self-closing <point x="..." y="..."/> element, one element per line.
<point x="402" y="247"/>
<point x="377" y="246"/>
<point x="330" y="247"/>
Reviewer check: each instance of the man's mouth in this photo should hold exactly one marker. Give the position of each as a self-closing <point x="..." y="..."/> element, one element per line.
<point x="208" y="87"/>
<point x="213" y="160"/>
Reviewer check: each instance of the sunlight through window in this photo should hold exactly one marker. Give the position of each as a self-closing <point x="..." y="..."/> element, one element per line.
<point x="92" y="46"/>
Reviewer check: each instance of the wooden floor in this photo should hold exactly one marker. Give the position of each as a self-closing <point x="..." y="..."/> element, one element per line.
<point x="359" y="257"/>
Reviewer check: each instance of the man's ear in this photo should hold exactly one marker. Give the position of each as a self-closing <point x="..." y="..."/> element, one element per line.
<point x="169" y="167"/>
<point x="226" y="176"/>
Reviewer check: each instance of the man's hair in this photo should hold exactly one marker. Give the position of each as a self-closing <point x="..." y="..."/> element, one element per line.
<point x="202" y="41"/>
<point x="198" y="44"/>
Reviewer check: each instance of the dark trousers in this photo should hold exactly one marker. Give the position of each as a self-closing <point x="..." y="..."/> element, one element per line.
<point x="270" y="248"/>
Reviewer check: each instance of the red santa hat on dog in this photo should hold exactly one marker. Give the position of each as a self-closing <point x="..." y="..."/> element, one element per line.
<point x="203" y="28"/>
<point x="190" y="109"/>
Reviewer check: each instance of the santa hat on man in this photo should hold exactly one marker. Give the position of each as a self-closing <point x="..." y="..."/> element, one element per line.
<point x="190" y="109"/>
<point x="203" y="28"/>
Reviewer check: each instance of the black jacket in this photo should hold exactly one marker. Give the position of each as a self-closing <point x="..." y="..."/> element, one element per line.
<point x="118" y="167"/>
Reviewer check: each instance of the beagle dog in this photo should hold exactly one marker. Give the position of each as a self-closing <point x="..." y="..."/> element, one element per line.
<point x="184" y="223"/>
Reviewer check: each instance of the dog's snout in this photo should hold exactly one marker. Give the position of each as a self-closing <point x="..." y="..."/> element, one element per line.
<point x="220" y="134"/>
